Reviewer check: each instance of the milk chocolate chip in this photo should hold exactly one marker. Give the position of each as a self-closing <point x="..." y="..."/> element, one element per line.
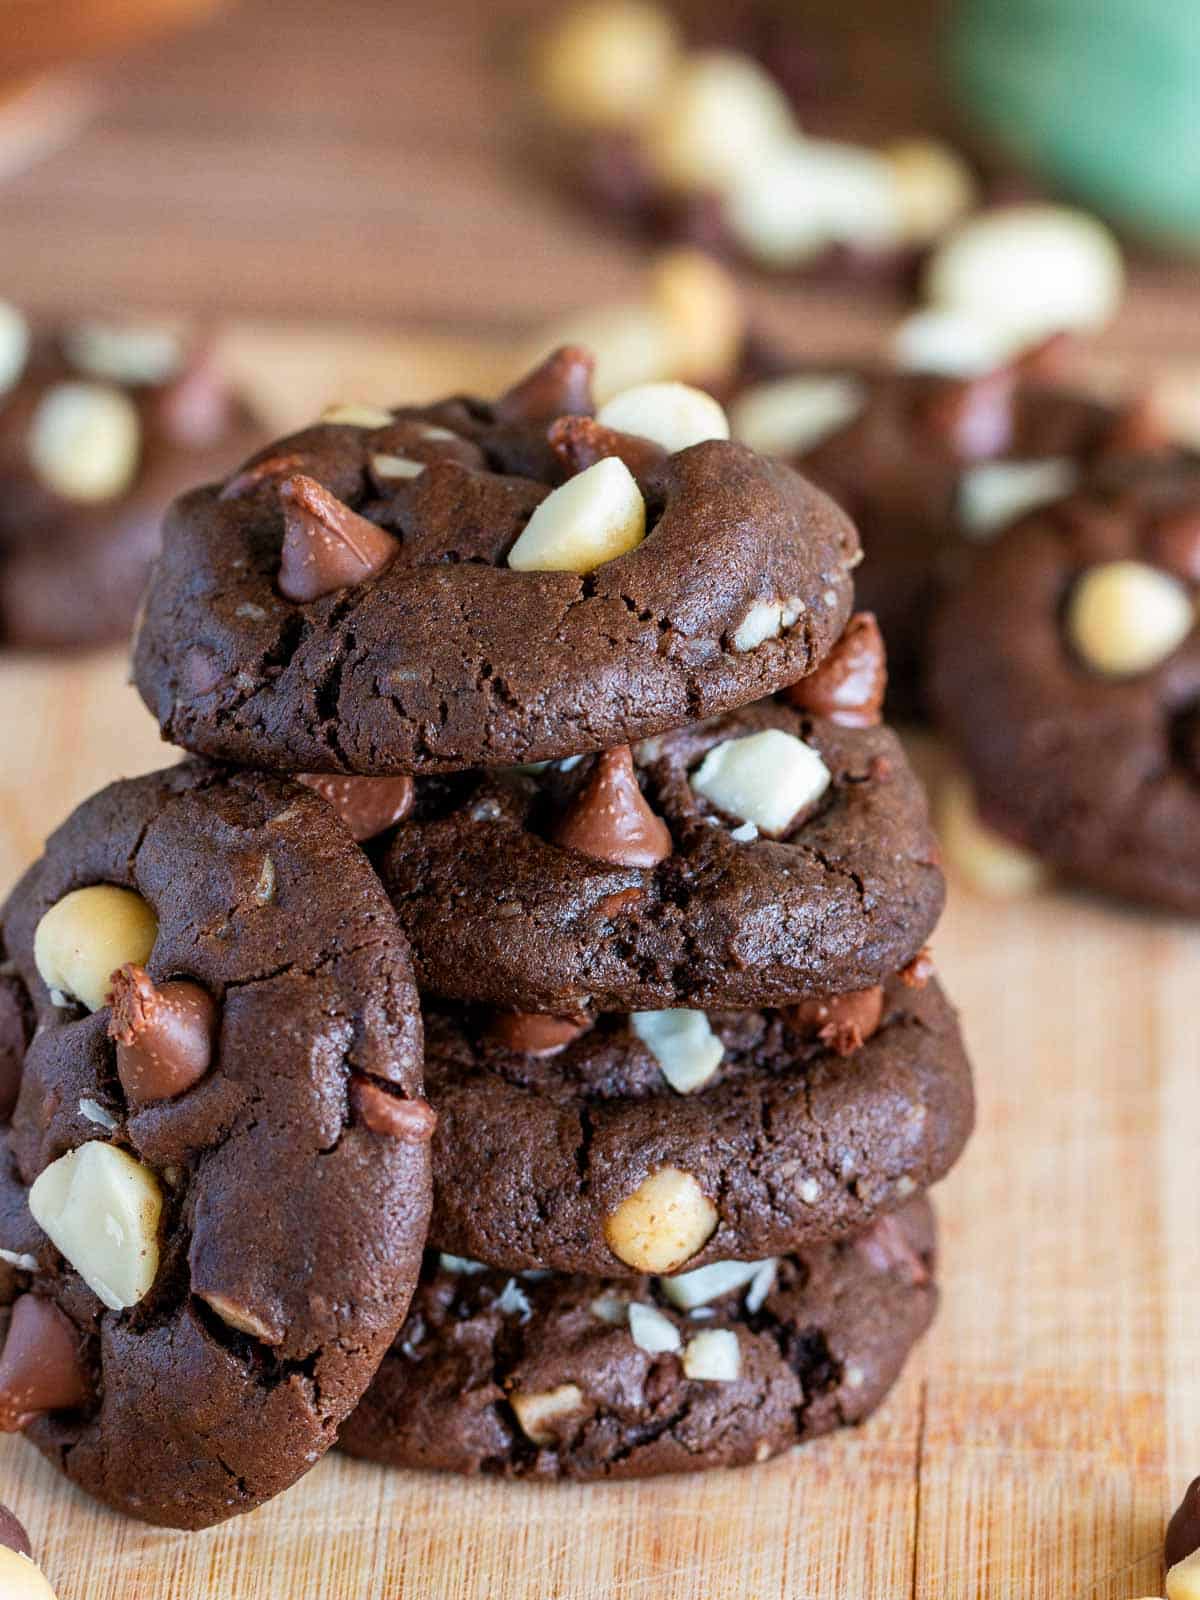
<point x="164" y="1034"/>
<point x="609" y="819"/>
<point x="848" y="687"/>
<point x="561" y="384"/>
<point x="975" y="418"/>
<point x="844" y="1022"/>
<point x="579" y="442"/>
<point x="1183" y="1530"/>
<point x="326" y="546"/>
<point x="13" y="1535"/>
<point x="366" y="805"/>
<point x="40" y="1368"/>
<point x="391" y="1115"/>
<point x="532" y="1033"/>
<point x="885" y="1245"/>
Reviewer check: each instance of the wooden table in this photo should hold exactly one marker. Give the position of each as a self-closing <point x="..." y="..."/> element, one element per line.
<point x="272" y="167"/>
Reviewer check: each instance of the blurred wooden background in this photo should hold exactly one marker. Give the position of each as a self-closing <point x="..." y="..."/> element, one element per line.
<point x="351" y="185"/>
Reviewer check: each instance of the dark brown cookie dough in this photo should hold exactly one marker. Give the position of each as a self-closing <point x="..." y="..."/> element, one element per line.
<point x="73" y="568"/>
<point x="819" y="1350"/>
<point x="434" y="655"/>
<point x="292" y="1175"/>
<point x="792" y="1139"/>
<point x="1097" y="772"/>
<point x="499" y="912"/>
<point x="898" y="468"/>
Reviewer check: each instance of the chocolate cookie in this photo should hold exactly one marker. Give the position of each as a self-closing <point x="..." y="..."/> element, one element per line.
<point x="753" y="859"/>
<point x="375" y="595"/>
<point x="215" y="1190"/>
<point x="1067" y="673"/>
<point x="576" y="1377"/>
<point x="927" y="466"/>
<point x="757" y="1131"/>
<point x="100" y="428"/>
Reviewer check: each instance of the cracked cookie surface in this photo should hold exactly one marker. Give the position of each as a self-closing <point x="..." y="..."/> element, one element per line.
<point x="1094" y="766"/>
<point x="447" y="658"/>
<point x="292" y="1176"/>
<point x="792" y="1141"/>
<point x="820" y="1351"/>
<point x="498" y="912"/>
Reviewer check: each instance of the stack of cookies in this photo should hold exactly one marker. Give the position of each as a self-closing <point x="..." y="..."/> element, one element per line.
<point x="543" y="747"/>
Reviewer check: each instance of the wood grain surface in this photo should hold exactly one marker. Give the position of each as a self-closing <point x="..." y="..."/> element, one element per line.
<point x="317" y="167"/>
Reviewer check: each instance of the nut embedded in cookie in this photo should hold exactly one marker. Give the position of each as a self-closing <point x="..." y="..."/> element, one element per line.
<point x="84" y="937"/>
<point x="663" y="1223"/>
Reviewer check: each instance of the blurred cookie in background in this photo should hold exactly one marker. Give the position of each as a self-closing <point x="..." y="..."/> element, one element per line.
<point x="102" y="424"/>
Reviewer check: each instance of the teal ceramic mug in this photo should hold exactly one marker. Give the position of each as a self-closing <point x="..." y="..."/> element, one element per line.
<point x="1100" y="96"/>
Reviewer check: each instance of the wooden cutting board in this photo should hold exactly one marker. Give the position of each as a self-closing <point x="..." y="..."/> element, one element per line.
<point x="1033" y="1448"/>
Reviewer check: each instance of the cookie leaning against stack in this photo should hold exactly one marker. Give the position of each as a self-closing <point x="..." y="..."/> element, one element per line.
<point x="589" y="690"/>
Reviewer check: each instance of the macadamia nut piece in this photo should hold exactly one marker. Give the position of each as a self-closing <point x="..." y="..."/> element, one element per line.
<point x="713" y="1356"/>
<point x="1183" y="1579"/>
<point x="85" y="440"/>
<point x="673" y="415"/>
<point x="84" y="937"/>
<point x="537" y="1413"/>
<point x="20" y="1579"/>
<point x="604" y="64"/>
<point x="663" y="1223"/>
<point x="716" y="118"/>
<point x="100" y="1208"/>
<point x="593" y="518"/>
<point x="1125" y="617"/>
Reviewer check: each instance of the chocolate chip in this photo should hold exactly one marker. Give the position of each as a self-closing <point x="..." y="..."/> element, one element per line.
<point x="201" y="671"/>
<point x="561" y="384"/>
<point x="1138" y="430"/>
<point x="164" y="1034"/>
<point x="391" y="1115"/>
<point x="1183" y="1530"/>
<point x="271" y="469"/>
<point x="366" y="805"/>
<point x="326" y="546"/>
<point x="13" y="1535"/>
<point x="849" y="685"/>
<point x="609" y="819"/>
<point x="533" y="1033"/>
<point x="886" y="1246"/>
<point x="195" y="409"/>
<point x="843" y="1022"/>
<point x="918" y="971"/>
<point x="40" y="1367"/>
<point x="975" y="418"/>
<point x="579" y="442"/>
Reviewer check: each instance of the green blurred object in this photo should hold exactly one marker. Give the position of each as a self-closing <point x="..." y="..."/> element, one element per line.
<point x="1100" y="96"/>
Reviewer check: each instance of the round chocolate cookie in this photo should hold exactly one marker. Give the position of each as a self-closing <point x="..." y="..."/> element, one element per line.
<point x="100" y="428"/>
<point x="756" y="1131"/>
<point x="215" y="1189"/>
<point x="466" y="583"/>
<point x="753" y="859"/>
<point x="927" y="466"/>
<point x="1067" y="673"/>
<point x="576" y="1377"/>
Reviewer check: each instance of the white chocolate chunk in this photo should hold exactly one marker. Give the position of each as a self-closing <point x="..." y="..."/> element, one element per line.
<point x="955" y="343"/>
<point x="14" y="345"/>
<point x="1126" y="617"/>
<point x="611" y="1308"/>
<point x="1038" y="268"/>
<point x="790" y="416"/>
<point x="990" y="863"/>
<point x="537" y="1413"/>
<point x="512" y="1301"/>
<point x="713" y="1356"/>
<point x="688" y="1052"/>
<point x="652" y="1331"/>
<point x="761" y="1285"/>
<point x="20" y="1579"/>
<point x="22" y="1261"/>
<point x="358" y="416"/>
<point x="84" y="937"/>
<point x="716" y="118"/>
<point x="384" y="466"/>
<point x="808" y="194"/>
<point x="934" y="187"/>
<point x="100" y="1208"/>
<point x="85" y="441"/>
<point x="95" y="1112"/>
<point x="1183" y="1579"/>
<point x="594" y="517"/>
<point x="663" y="1223"/>
<point x="995" y="493"/>
<point x="703" y="1285"/>
<point x="673" y="415"/>
<point x="239" y="1317"/>
<point x="603" y="64"/>
<point x="462" y="1265"/>
<point x="767" y="778"/>
<point x="124" y="353"/>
